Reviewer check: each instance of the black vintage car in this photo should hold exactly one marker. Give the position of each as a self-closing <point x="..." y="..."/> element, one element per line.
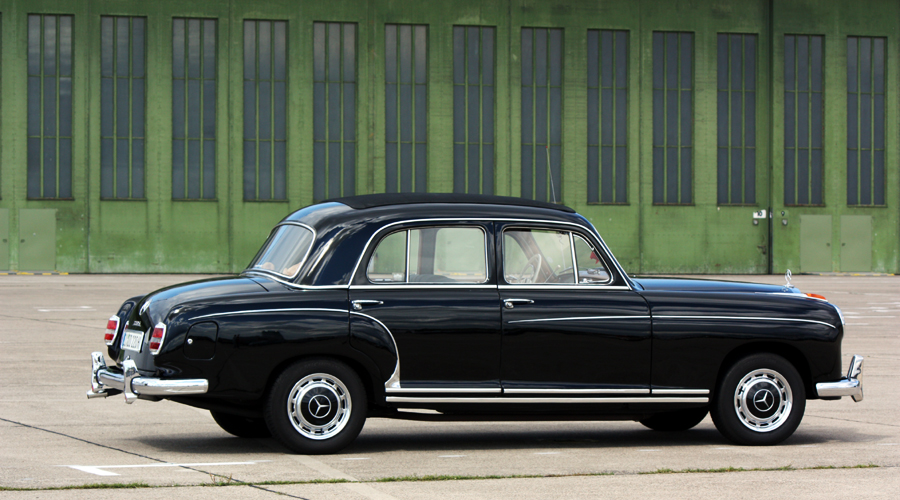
<point x="469" y="308"/>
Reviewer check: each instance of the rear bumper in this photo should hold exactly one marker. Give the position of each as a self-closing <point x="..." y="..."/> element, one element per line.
<point x="849" y="386"/>
<point x="127" y="380"/>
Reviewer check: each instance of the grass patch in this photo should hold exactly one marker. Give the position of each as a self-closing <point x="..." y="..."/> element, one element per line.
<point x="91" y="486"/>
<point x="757" y="469"/>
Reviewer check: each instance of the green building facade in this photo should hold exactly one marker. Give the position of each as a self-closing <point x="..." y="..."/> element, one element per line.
<point x="705" y="136"/>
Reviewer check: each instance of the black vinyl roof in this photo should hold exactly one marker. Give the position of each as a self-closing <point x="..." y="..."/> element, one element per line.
<point x="385" y="199"/>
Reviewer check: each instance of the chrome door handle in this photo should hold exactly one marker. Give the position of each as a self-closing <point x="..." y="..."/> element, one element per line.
<point x="511" y="303"/>
<point x="358" y="304"/>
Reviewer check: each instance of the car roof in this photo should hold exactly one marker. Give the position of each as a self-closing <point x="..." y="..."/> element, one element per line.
<point x="386" y="199"/>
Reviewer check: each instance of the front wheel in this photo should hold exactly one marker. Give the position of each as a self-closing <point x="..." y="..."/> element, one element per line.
<point x="316" y="406"/>
<point x="760" y="401"/>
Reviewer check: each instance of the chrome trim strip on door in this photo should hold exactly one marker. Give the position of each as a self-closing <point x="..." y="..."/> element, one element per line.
<point x="254" y="311"/>
<point x="679" y="391"/>
<point x="401" y="399"/>
<point x="576" y="391"/>
<point x="439" y="390"/>
<point x="576" y="318"/>
<point x="754" y="318"/>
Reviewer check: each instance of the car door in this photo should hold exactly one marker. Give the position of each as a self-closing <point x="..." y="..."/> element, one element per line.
<point x="433" y="287"/>
<point x="571" y="324"/>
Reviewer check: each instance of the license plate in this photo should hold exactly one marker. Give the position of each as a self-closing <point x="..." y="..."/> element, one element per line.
<point x="133" y="340"/>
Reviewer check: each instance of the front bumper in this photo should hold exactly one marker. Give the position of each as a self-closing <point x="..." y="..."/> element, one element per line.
<point x="849" y="386"/>
<point x="106" y="381"/>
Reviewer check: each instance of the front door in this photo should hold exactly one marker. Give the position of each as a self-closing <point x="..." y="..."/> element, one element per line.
<point x="570" y="323"/>
<point x="432" y="288"/>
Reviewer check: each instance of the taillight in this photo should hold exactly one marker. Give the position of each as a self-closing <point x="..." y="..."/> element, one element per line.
<point x="157" y="338"/>
<point x="816" y="296"/>
<point x="112" y="326"/>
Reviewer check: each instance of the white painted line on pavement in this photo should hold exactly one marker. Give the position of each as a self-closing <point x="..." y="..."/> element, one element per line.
<point x="65" y="309"/>
<point x="547" y="453"/>
<point x="356" y="458"/>
<point x="98" y="469"/>
<point x="451" y="456"/>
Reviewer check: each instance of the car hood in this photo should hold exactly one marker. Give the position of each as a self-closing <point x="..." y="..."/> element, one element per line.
<point x="700" y="285"/>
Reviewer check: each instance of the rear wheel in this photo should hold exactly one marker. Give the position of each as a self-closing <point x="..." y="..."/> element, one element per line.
<point x="675" y="421"/>
<point x="760" y="401"/>
<point x="242" y="427"/>
<point x="316" y="406"/>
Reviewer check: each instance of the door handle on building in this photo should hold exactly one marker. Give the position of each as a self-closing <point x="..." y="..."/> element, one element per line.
<point x="358" y="304"/>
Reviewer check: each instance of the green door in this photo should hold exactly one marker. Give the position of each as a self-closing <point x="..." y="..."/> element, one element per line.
<point x="4" y="239"/>
<point x="856" y="243"/>
<point x="815" y="243"/>
<point x="37" y="239"/>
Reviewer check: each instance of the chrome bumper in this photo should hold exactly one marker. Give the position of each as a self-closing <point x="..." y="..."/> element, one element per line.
<point x="849" y="386"/>
<point x="128" y="381"/>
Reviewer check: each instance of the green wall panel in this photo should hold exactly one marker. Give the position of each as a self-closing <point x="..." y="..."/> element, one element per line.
<point x="4" y="239"/>
<point x="159" y="234"/>
<point x="856" y="243"/>
<point x="37" y="239"/>
<point x="815" y="243"/>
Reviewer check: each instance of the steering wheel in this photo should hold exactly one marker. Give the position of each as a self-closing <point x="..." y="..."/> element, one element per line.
<point x="535" y="263"/>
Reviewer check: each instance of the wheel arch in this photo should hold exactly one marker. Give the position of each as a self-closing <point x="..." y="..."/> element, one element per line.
<point x="791" y="353"/>
<point x="366" y="371"/>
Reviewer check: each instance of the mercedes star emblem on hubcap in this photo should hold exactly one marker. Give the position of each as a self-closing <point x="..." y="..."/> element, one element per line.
<point x="763" y="400"/>
<point x="319" y="406"/>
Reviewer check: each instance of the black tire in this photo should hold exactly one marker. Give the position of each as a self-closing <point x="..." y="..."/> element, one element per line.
<point x="242" y="427"/>
<point x="316" y="406"/>
<point x="760" y="401"/>
<point x="675" y="421"/>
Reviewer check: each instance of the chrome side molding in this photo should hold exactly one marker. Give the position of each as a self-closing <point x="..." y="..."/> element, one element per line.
<point x="851" y="385"/>
<point x="130" y="382"/>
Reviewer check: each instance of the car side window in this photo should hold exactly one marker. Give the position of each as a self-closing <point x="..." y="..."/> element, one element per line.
<point x="591" y="269"/>
<point x="537" y="256"/>
<point x="430" y="255"/>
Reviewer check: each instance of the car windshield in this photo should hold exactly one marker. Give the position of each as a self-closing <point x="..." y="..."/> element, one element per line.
<point x="284" y="251"/>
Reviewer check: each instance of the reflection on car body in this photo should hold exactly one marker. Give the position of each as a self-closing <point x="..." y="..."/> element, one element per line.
<point x="470" y="307"/>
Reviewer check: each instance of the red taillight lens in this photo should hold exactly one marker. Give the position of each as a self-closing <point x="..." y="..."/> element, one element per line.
<point x="816" y="296"/>
<point x="157" y="338"/>
<point x="112" y="326"/>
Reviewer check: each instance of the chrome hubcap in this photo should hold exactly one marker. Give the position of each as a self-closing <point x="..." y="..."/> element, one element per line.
<point x="319" y="406"/>
<point x="763" y="400"/>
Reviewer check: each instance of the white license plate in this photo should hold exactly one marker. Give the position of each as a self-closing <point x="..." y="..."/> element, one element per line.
<point x="133" y="340"/>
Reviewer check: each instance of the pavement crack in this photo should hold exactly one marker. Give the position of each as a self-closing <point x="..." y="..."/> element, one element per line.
<point x="849" y="420"/>
<point x="147" y="457"/>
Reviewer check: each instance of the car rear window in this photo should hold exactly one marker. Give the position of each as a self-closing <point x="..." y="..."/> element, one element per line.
<point x="284" y="251"/>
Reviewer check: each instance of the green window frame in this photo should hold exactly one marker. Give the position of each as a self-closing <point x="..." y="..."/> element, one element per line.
<point x="474" y="105"/>
<point x="194" y="109"/>
<point x="50" y="87"/>
<point x="542" y="113"/>
<point x="122" y="106"/>
<point x="334" y="110"/>
<point x="607" y="116"/>
<point x="265" y="110"/>
<point x="405" y="108"/>
<point x="866" y="73"/>
<point x="673" y="117"/>
<point x="736" y="122"/>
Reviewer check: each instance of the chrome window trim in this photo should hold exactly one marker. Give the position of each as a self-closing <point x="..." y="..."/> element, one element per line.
<point x="487" y="274"/>
<point x="397" y="286"/>
<point x="574" y="261"/>
<point x="753" y="318"/>
<point x="439" y="390"/>
<point x="576" y="318"/>
<point x="315" y="238"/>
<point x="563" y="287"/>
<point x="500" y="399"/>
<point x="496" y="219"/>
<point x="680" y="391"/>
<point x="576" y="391"/>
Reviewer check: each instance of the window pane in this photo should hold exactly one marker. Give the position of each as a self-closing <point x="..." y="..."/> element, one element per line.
<point x="590" y="267"/>
<point x="388" y="262"/>
<point x="537" y="256"/>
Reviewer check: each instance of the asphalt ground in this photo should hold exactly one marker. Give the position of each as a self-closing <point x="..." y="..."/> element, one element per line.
<point x="52" y="436"/>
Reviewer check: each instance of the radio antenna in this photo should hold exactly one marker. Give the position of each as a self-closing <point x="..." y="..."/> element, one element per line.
<point x="550" y="169"/>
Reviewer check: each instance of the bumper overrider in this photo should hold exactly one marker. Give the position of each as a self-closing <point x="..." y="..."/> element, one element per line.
<point x="127" y="380"/>
<point x="848" y="386"/>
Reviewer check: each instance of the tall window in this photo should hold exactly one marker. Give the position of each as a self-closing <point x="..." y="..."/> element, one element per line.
<point x="542" y="67"/>
<point x="804" y="125"/>
<point x="265" y="106"/>
<point x="194" y="109"/>
<point x="405" y="107"/>
<point x="607" y="111"/>
<point x="473" y="109"/>
<point x="673" y="117"/>
<point x="49" y="106"/>
<point x="736" y="163"/>
<point x="865" y="120"/>
<point x="122" y="104"/>
<point x="334" y="110"/>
